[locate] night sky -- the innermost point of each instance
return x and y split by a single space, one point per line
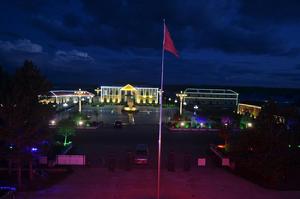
114 42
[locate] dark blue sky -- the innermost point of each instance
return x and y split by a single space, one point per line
230 42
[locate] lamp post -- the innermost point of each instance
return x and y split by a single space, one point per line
79 93
181 97
97 90
195 109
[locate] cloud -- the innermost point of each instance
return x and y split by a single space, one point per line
291 76
23 45
275 11
71 56
297 67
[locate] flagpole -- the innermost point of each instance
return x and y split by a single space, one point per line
160 114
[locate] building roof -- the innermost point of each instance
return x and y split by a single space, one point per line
128 87
69 93
210 91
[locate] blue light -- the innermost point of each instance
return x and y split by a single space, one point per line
201 120
8 188
34 149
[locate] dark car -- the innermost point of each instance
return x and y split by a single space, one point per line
118 124
141 154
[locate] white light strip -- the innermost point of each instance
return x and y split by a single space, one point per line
211 98
250 105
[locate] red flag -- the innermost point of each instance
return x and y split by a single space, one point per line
168 42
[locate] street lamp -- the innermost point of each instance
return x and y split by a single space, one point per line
181 97
79 93
97 90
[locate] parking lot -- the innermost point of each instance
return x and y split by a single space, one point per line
98 145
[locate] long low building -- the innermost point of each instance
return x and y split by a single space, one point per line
211 98
66 96
139 95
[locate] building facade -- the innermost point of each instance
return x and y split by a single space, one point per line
121 95
66 97
211 98
252 110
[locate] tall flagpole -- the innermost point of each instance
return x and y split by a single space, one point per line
160 113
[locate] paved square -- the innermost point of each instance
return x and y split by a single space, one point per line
200 183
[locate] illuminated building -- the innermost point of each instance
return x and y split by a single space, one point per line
66 97
211 98
252 110
121 95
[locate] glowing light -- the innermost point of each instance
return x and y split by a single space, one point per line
182 123
34 149
80 123
184 103
169 99
8 188
175 101
65 105
221 146
11 147
196 107
249 125
129 109
226 124
53 122
201 124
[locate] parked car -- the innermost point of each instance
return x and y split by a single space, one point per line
118 124
141 154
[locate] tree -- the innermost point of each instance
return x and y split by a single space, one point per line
263 150
66 128
25 120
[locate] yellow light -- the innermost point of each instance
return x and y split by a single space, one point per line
182 123
130 109
80 123
249 124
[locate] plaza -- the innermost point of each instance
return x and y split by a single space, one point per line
96 181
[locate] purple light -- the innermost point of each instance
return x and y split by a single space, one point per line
226 120
34 149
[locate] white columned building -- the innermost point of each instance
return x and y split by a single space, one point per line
139 95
